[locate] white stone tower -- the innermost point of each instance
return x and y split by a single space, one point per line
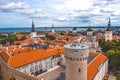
76 55
33 33
108 33
53 28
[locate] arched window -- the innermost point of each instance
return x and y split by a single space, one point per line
58 63
31 69
79 70
36 67
40 65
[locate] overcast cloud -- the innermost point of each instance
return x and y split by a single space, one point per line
60 12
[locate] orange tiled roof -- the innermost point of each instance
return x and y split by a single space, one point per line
22 56
30 55
93 65
5 56
27 40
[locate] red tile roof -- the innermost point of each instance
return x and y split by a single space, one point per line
5 56
93 65
27 55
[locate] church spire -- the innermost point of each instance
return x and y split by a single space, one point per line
52 26
89 28
109 25
33 27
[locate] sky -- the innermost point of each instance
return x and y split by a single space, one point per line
61 13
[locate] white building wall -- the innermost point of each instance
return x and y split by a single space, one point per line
101 71
108 35
33 34
55 61
27 68
43 64
89 33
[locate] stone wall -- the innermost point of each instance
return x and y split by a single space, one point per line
10 73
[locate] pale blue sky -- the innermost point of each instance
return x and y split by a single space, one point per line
19 13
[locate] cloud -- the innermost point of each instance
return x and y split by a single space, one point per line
64 12
21 7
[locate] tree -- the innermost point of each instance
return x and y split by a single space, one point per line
2 42
23 38
50 37
112 51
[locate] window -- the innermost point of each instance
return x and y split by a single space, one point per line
31 69
76 50
79 70
81 54
36 67
12 79
40 65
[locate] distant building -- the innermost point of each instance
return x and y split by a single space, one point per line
33 33
74 30
108 32
53 28
89 31
90 38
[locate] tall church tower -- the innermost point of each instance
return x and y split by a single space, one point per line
108 33
53 28
33 33
76 55
89 31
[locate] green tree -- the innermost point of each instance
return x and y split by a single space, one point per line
112 51
23 38
50 37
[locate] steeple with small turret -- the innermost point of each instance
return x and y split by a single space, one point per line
33 33
53 28
33 27
89 31
108 33
109 25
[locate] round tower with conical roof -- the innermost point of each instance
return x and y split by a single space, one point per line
76 55
108 33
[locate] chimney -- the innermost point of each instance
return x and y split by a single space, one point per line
6 49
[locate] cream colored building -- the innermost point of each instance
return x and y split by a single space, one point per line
90 39
76 56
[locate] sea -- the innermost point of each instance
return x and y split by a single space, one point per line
28 29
